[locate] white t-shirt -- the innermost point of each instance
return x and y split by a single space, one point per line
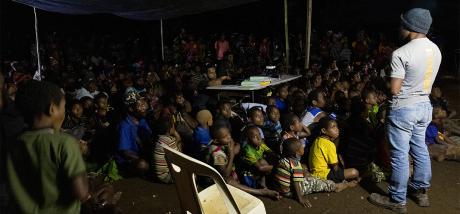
417 63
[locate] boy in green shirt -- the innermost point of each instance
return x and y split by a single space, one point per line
45 169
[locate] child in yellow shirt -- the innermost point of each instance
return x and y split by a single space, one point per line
323 158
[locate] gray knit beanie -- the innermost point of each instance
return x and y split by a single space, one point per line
417 20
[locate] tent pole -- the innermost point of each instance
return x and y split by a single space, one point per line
37 75
286 34
308 35
162 41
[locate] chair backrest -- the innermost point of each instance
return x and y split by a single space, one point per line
184 169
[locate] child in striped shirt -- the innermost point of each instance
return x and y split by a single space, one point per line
167 136
291 177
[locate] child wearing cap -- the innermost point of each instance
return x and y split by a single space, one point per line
134 134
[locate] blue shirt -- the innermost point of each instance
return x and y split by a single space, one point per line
281 105
132 135
273 127
431 134
201 136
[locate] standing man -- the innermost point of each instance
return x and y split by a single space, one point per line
414 69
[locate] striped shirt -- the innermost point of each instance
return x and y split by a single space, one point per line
288 169
161 167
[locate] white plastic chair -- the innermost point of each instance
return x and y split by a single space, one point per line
184 169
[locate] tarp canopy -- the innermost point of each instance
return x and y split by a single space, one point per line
134 9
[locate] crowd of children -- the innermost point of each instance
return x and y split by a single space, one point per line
322 133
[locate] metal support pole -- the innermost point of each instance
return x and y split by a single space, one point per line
162 41
38 73
308 35
286 34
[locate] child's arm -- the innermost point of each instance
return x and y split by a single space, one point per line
74 171
222 78
334 166
448 140
176 135
306 131
80 187
233 150
263 166
262 192
302 200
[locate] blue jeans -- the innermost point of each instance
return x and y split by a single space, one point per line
406 133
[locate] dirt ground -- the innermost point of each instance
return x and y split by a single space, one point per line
141 196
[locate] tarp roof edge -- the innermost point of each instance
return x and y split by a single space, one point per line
134 9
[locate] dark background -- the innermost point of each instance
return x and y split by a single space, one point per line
263 18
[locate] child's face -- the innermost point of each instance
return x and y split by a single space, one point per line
77 110
212 73
332 130
321 102
371 99
180 99
356 78
254 137
318 81
274 115
102 103
258 118
87 104
224 137
92 87
141 107
436 92
296 125
226 110
283 93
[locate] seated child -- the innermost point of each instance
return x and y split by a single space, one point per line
254 155
257 118
272 127
102 108
212 76
360 140
291 177
183 122
281 98
369 98
45 169
292 127
222 154
273 123
167 135
439 145
74 118
224 113
323 158
314 113
437 99
201 134
135 134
